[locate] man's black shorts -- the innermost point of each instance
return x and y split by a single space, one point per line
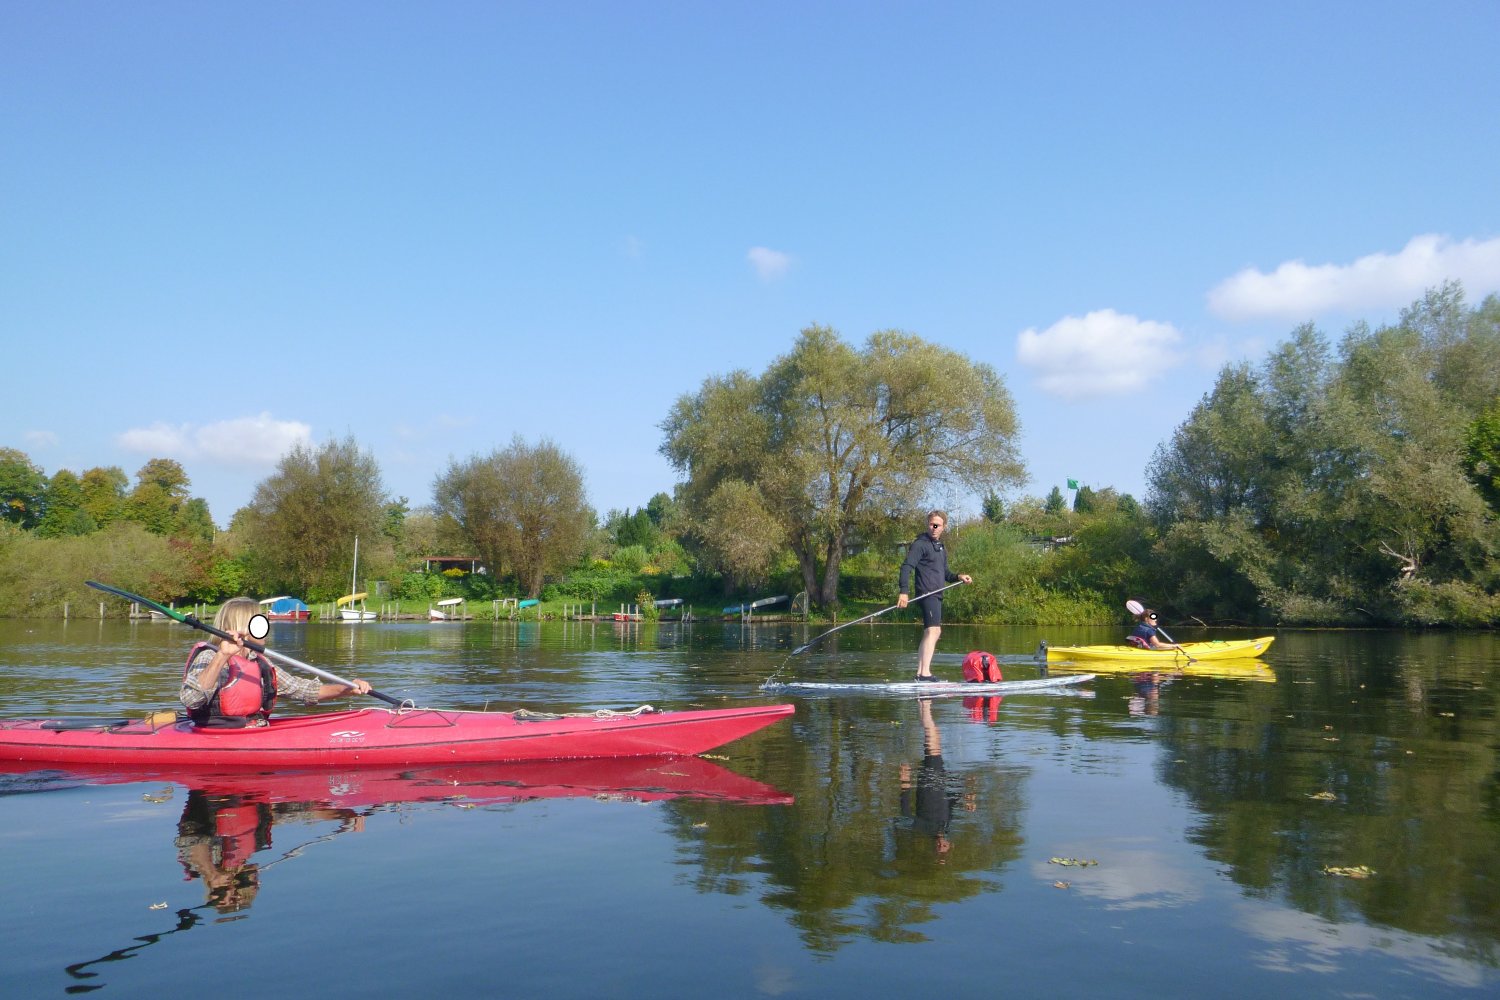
932 612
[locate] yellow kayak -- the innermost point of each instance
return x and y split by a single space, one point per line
1218 649
1234 670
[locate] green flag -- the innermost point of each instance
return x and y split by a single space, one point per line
1072 484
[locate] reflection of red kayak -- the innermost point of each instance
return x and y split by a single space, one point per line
636 779
375 736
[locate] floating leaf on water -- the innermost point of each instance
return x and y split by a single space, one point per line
1072 862
165 795
1446 715
464 805
1062 885
700 826
1323 796
1353 871
158 906
1330 739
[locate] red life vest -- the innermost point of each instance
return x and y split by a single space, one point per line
247 687
982 667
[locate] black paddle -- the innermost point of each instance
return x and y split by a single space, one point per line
193 621
805 647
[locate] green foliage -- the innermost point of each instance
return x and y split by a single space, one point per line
630 559
993 508
1323 488
303 520
830 441
646 602
522 509
37 575
22 488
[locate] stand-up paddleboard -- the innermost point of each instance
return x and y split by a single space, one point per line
944 688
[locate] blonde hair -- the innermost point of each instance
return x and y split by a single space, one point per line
235 614
938 513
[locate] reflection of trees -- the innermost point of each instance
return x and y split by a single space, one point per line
845 863
1410 761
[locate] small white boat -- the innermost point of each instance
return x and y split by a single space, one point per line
437 615
347 611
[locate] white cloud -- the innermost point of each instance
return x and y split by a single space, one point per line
258 440
1104 352
769 264
39 439
1299 291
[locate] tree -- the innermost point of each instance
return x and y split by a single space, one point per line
523 509
302 520
65 513
161 488
22 487
839 442
104 493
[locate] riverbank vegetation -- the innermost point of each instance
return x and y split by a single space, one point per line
1337 482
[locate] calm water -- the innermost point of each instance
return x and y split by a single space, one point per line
839 854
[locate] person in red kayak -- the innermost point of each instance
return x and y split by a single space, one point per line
929 560
230 684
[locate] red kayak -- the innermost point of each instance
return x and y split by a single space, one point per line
626 779
383 736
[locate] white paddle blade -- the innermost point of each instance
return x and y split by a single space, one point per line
1134 607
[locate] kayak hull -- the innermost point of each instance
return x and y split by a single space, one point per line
382 736
930 688
1225 649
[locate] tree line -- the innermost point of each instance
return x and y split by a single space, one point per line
1335 482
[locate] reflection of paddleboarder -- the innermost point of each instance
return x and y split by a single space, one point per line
928 801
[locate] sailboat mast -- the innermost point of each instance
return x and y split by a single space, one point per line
354 575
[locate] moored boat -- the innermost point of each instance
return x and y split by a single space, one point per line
285 609
1218 649
383 736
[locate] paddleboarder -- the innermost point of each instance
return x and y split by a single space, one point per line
232 683
927 558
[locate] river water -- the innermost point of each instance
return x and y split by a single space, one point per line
1176 834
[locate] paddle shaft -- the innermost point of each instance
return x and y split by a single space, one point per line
194 622
1163 633
875 614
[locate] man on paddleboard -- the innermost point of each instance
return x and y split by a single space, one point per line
929 560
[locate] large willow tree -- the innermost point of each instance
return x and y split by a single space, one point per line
304 517
522 508
833 442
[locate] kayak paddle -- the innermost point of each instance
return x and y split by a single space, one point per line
193 621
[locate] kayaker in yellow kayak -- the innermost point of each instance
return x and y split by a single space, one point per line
1147 635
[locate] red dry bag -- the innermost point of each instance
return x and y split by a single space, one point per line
981 667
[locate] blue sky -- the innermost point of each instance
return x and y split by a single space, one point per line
228 228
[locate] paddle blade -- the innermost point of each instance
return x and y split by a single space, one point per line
169 612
